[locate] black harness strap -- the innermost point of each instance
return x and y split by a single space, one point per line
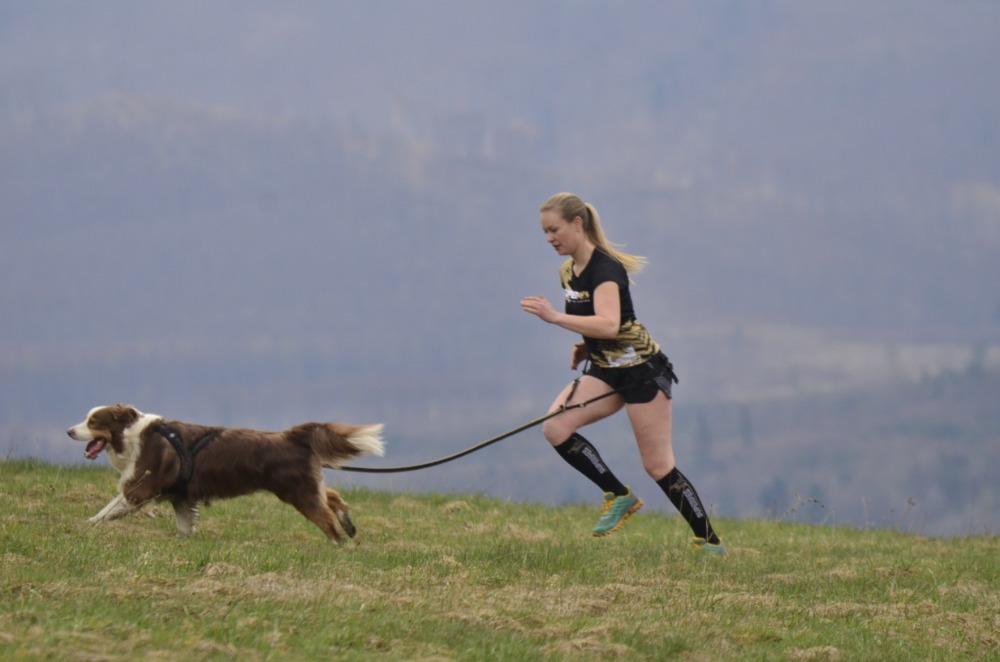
185 456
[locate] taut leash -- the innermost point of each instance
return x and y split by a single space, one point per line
522 428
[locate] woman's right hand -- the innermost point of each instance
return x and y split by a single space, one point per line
580 354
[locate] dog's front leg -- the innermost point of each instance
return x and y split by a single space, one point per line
187 516
117 507
121 505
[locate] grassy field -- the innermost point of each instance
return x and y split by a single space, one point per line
442 577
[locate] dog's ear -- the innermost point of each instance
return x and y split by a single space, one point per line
124 414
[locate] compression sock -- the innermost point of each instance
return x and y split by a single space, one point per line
681 493
583 457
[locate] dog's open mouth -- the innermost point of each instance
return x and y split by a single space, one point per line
94 448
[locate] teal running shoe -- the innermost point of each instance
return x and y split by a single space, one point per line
614 511
702 546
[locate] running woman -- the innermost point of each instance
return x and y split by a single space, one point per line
622 357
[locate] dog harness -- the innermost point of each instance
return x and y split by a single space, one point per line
184 455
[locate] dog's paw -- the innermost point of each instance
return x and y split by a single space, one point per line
345 521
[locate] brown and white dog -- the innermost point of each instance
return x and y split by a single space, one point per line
187 464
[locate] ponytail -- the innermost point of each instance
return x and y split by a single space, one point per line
571 206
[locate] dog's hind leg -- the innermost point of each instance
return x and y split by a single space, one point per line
341 510
187 516
312 503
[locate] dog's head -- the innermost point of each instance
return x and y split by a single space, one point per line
105 426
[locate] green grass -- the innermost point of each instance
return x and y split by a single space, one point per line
469 578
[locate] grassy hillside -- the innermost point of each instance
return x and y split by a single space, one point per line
464 577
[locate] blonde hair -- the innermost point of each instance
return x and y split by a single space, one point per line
571 206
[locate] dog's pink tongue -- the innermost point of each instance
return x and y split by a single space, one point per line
94 449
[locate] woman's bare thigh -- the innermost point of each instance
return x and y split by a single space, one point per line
559 428
651 423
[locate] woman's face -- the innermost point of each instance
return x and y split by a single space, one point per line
562 235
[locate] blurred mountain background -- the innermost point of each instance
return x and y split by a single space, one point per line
256 214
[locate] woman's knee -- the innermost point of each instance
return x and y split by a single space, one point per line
556 432
658 461
658 469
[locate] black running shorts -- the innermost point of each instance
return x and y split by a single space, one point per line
639 383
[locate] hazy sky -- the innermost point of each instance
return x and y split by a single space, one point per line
215 192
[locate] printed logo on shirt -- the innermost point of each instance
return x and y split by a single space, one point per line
623 358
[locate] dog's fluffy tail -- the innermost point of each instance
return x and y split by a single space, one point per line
335 442
367 439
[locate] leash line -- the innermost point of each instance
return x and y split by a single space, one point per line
488 442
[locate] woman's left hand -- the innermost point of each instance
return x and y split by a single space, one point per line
540 307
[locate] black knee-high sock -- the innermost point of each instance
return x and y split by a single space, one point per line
681 493
583 457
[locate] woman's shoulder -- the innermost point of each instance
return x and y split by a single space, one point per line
601 257
606 265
